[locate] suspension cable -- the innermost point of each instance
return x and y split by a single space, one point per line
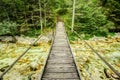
1 76
9 68
113 69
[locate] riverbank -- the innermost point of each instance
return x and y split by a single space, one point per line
90 65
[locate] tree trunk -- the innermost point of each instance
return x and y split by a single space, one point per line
73 16
40 16
44 14
45 18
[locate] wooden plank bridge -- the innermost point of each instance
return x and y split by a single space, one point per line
60 64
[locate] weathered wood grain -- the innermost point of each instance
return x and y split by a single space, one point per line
61 69
61 75
60 64
58 79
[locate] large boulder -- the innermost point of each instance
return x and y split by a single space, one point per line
6 39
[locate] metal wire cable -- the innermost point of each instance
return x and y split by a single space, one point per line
112 68
1 76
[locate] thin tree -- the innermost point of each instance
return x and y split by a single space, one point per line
73 16
45 2
40 16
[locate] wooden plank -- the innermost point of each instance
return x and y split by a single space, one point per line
59 55
57 79
51 65
60 65
61 69
60 61
63 50
62 43
62 39
57 52
62 53
61 75
59 48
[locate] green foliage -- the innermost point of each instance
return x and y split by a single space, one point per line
113 11
26 13
93 17
62 11
71 36
33 33
92 21
7 27
87 36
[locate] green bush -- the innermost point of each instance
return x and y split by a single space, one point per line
7 27
87 36
71 36
92 21
62 11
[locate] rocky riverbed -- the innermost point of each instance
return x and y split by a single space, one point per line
90 65
29 66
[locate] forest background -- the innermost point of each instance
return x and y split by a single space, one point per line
32 17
